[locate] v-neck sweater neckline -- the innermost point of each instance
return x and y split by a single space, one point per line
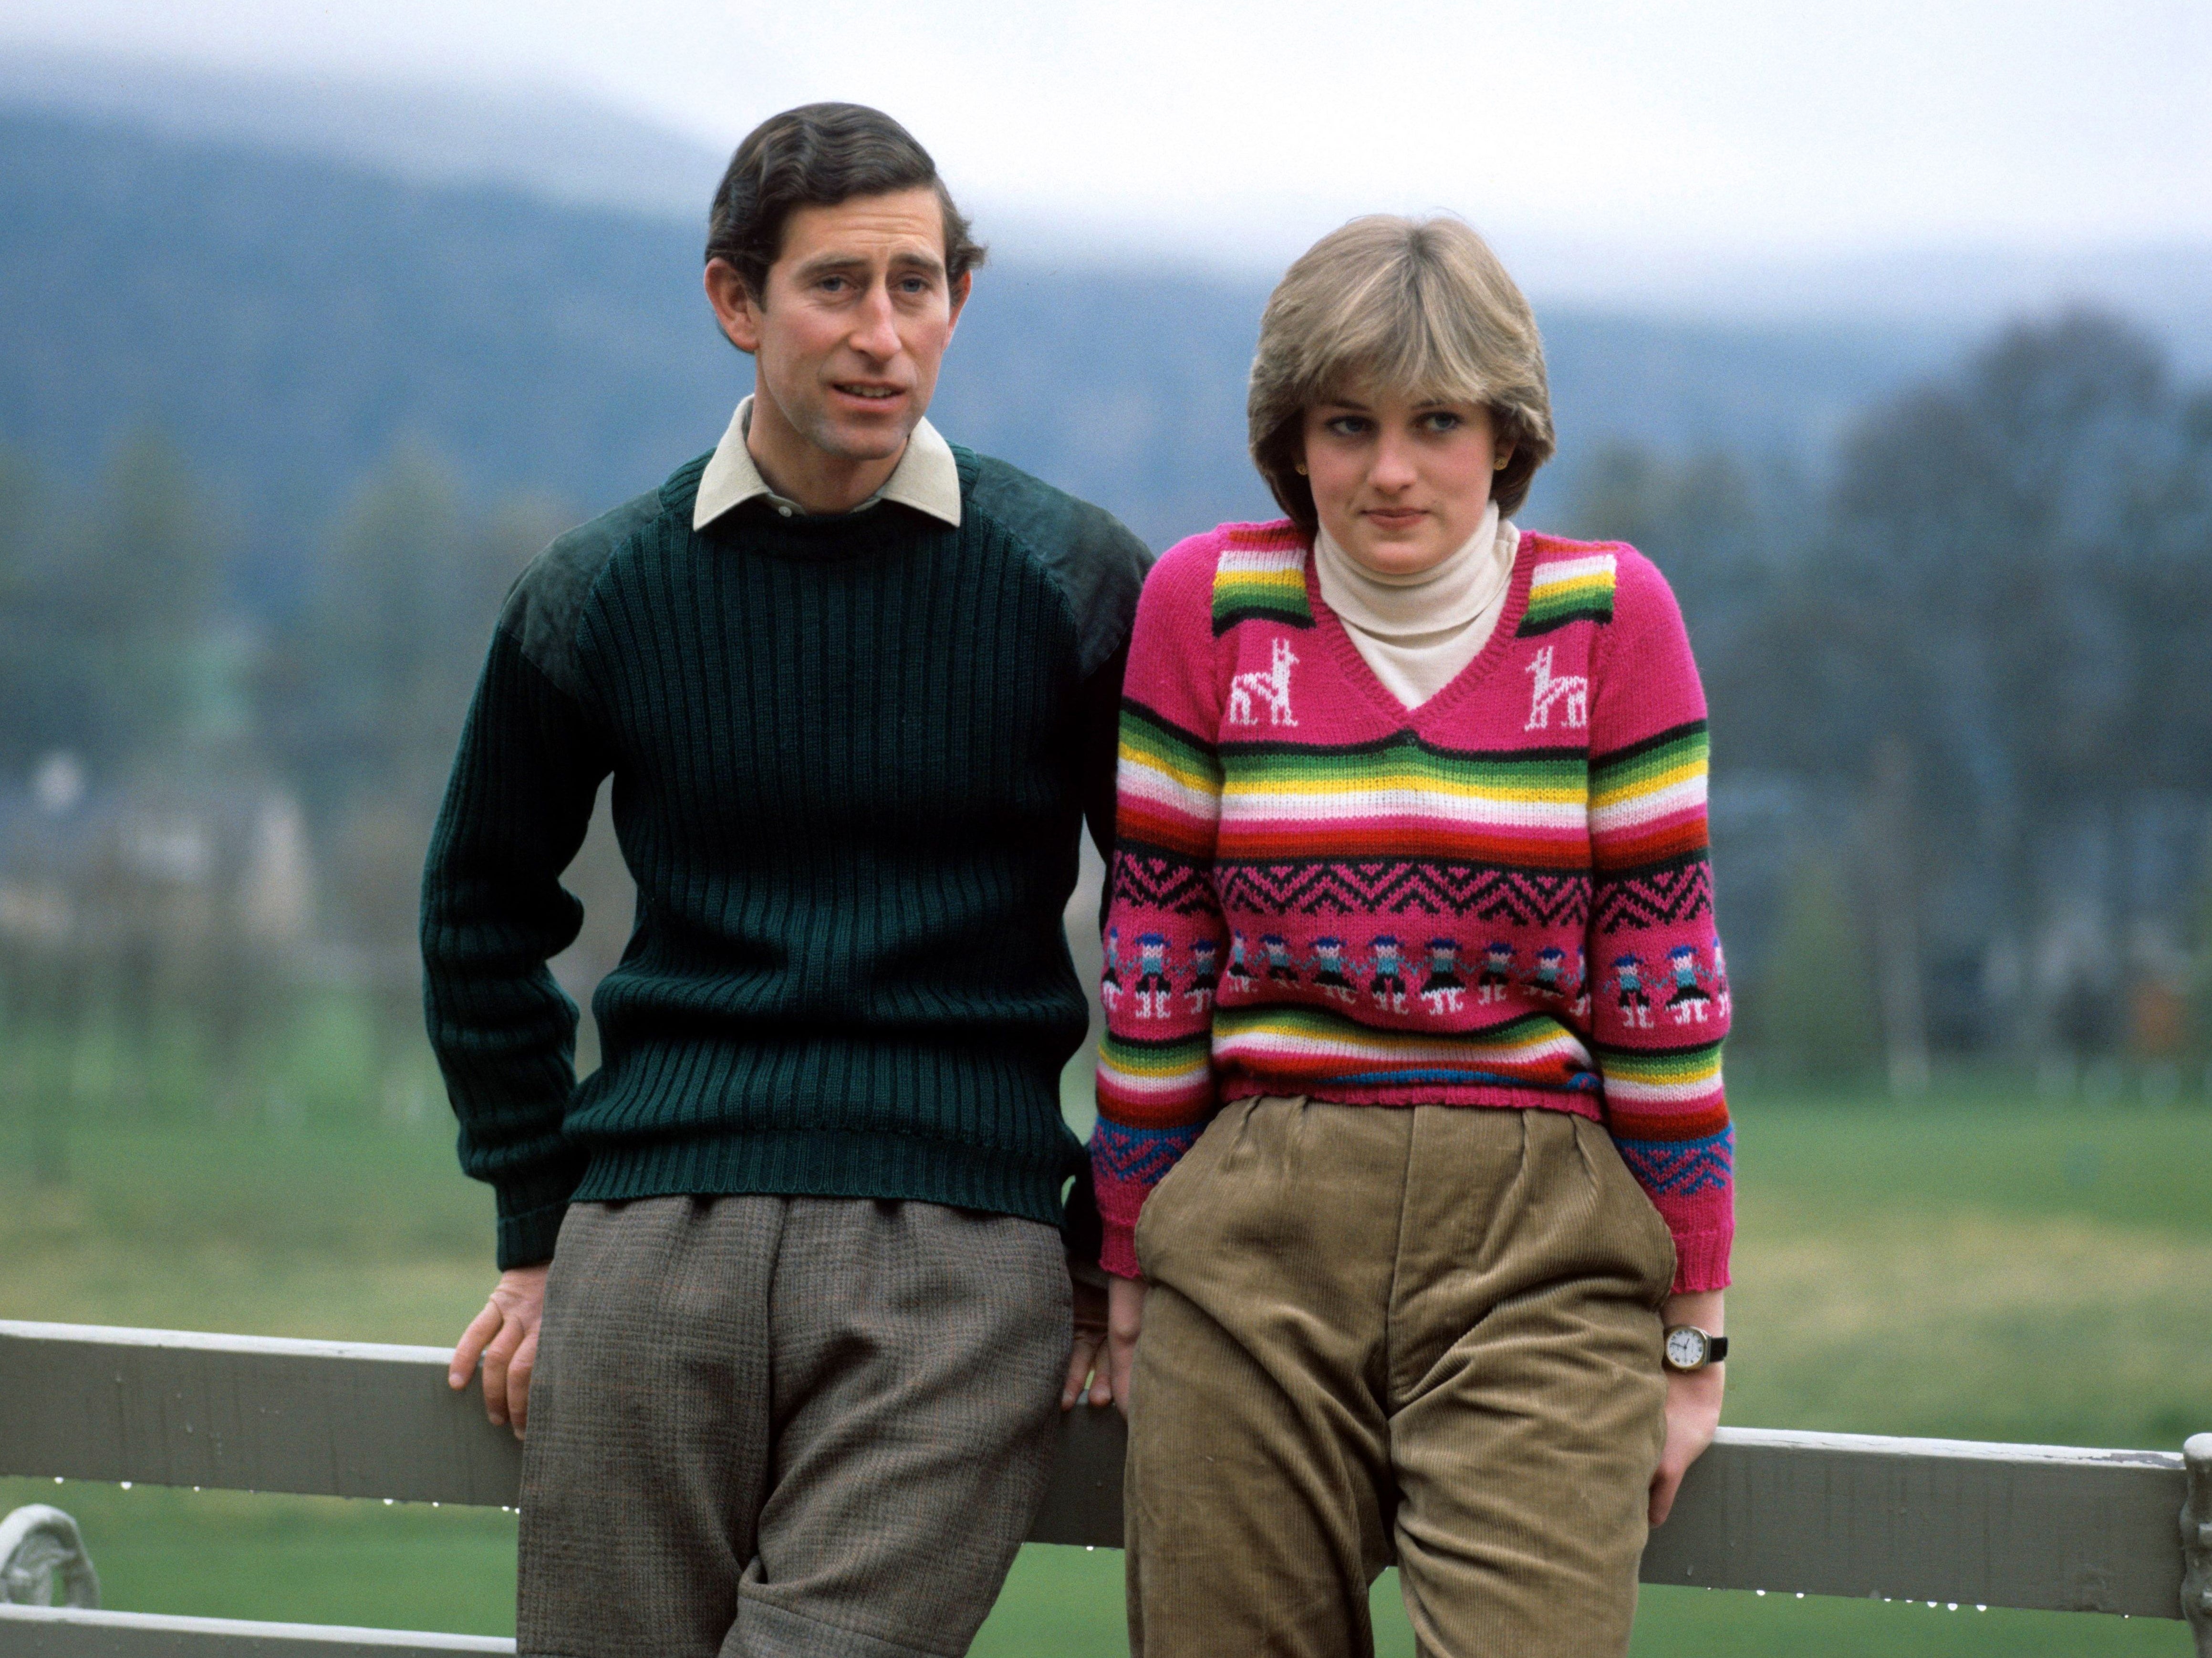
1360 673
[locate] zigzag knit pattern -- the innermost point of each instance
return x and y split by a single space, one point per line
1500 898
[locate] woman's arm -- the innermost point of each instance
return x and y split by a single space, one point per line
1693 1401
1165 942
1658 988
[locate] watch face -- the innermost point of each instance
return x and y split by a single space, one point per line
1685 1347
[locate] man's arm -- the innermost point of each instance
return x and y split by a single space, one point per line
494 914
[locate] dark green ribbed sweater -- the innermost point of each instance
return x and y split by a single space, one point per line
851 756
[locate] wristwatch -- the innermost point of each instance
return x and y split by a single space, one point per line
1689 1348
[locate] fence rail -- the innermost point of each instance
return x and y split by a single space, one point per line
2049 1527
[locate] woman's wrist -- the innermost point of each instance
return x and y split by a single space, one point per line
1705 1308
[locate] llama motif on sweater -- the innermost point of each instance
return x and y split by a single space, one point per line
1499 898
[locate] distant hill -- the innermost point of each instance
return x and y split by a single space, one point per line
290 318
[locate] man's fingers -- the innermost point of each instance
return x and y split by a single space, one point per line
470 1348
497 1357
519 1372
1081 1362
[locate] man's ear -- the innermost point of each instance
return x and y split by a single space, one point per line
735 308
959 292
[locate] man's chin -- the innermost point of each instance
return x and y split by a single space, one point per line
861 439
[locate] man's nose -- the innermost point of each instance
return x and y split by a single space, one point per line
875 329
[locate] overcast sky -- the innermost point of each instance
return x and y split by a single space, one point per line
1730 127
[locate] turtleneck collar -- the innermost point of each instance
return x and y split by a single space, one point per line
1416 632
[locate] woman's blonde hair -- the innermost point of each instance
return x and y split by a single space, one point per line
1421 306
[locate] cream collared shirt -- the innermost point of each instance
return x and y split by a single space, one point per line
926 478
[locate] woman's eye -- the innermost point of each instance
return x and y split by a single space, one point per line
1348 426
1442 420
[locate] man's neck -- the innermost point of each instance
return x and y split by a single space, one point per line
799 470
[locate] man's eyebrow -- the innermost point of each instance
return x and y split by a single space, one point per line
825 264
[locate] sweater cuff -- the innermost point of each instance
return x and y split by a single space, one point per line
526 1236
1701 1259
1117 1249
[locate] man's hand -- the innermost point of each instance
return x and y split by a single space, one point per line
1694 1403
1084 1370
505 1337
1106 1329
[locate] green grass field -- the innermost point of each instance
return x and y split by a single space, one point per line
1981 1266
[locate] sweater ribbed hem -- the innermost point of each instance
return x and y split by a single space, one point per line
827 1164
526 1239
1117 1250
1701 1259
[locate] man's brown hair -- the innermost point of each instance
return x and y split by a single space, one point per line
818 155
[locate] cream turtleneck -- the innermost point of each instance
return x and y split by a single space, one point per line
1418 631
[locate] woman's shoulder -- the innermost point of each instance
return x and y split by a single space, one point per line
1190 572
1609 580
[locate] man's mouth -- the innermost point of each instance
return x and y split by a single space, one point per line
871 393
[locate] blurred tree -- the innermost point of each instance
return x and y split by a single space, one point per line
363 697
131 601
2011 587
1813 1010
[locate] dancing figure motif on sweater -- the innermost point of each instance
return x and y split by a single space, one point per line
1687 1004
1328 971
1155 990
1203 977
1571 690
1273 688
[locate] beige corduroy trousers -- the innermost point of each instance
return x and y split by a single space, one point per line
1430 1335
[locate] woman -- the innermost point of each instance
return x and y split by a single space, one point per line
1415 1195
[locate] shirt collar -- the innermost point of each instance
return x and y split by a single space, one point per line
927 477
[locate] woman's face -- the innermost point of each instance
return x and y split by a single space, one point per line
1399 484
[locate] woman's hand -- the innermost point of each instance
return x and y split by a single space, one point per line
1103 1354
1694 1403
505 1337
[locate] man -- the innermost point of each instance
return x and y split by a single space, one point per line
806 1306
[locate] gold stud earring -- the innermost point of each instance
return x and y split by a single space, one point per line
1299 467
1502 463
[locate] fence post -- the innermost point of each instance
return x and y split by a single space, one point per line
2196 1542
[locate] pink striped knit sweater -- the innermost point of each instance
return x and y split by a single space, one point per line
1499 898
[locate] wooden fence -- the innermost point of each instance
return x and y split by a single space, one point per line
1953 1520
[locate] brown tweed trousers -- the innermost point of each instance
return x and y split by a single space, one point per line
763 1426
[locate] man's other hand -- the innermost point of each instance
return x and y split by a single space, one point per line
505 1337
1106 1328
1084 1368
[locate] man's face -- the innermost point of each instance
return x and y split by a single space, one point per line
848 339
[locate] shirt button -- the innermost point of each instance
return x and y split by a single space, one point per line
785 510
